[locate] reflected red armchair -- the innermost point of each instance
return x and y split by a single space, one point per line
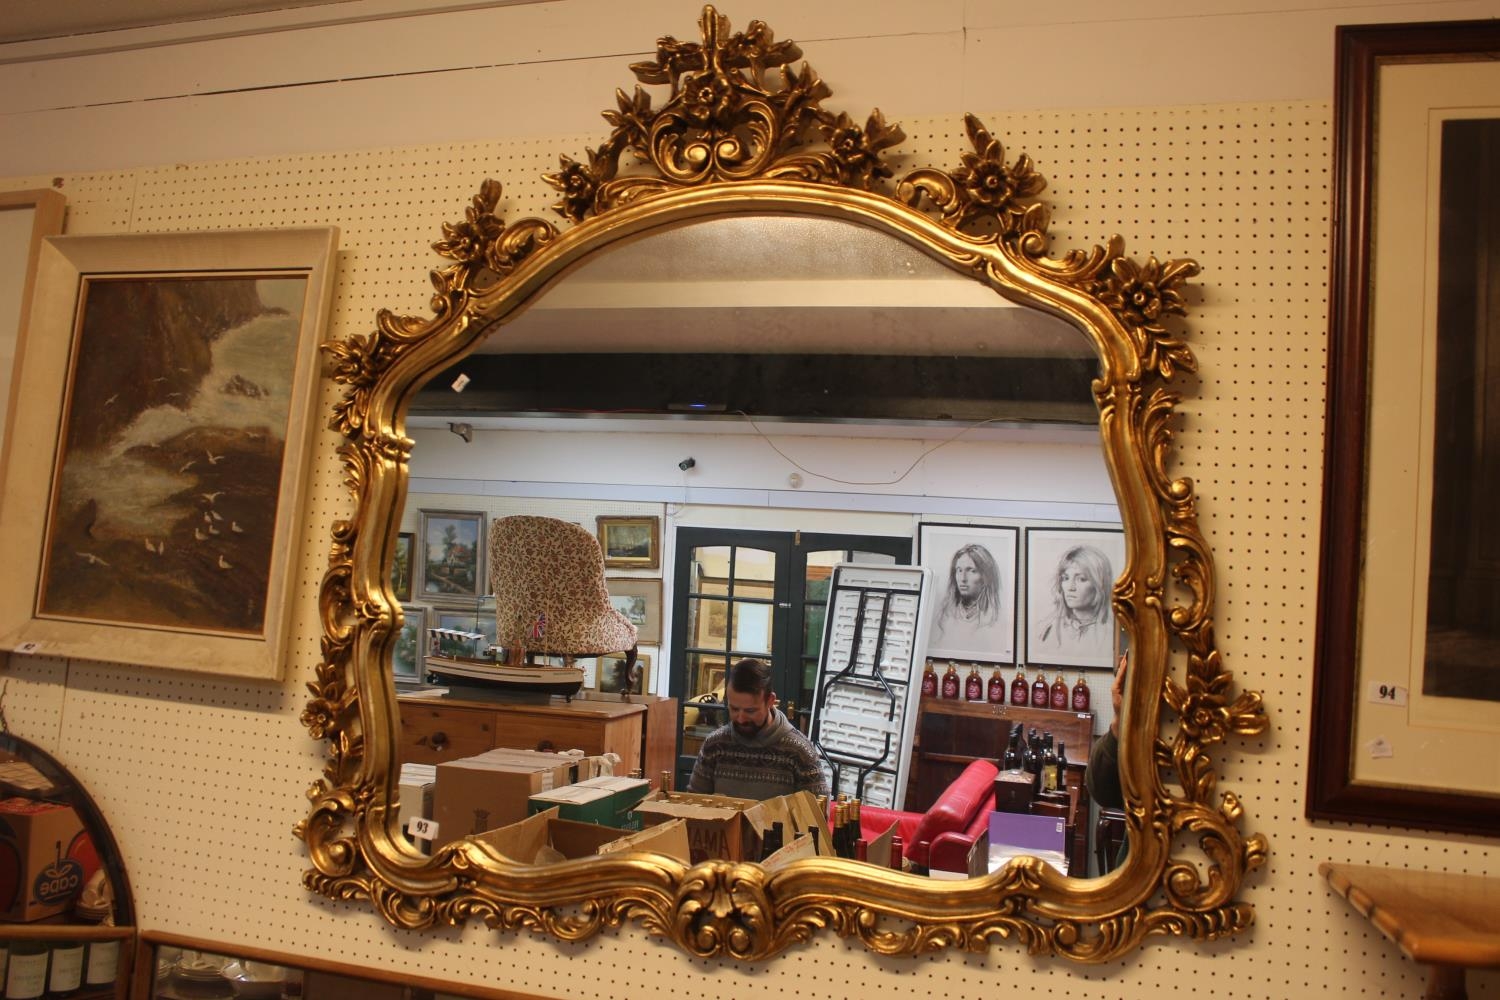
961 813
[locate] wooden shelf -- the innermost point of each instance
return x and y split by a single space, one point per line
43 931
1447 921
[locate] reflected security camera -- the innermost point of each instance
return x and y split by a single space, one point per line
687 463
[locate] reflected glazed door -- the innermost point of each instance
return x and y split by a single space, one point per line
760 594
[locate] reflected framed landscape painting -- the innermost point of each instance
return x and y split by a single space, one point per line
160 444
450 547
1406 686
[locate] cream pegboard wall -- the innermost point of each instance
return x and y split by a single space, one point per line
203 778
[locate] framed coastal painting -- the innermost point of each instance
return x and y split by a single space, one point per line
630 542
972 595
1070 580
451 549
639 600
158 461
1406 694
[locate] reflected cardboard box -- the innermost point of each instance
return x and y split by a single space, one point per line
45 858
415 790
493 789
543 838
722 828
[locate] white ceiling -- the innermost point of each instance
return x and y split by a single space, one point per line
27 19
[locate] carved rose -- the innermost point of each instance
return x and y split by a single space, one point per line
706 99
319 719
1201 707
467 241
856 151
578 186
1142 295
992 188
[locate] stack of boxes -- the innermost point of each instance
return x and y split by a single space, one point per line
529 805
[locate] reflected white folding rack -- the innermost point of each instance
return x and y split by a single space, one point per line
863 713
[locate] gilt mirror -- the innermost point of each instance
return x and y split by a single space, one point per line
743 133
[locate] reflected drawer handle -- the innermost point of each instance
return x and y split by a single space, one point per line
438 740
545 746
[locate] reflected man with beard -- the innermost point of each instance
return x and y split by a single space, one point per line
758 753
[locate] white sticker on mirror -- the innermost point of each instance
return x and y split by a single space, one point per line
28 648
1383 693
1380 747
421 828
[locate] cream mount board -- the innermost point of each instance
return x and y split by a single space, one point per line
202 780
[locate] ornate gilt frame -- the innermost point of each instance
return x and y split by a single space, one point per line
727 141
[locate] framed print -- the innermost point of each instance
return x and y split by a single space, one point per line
26 218
1406 699
451 553
401 565
640 601
630 542
972 581
157 467
411 644
1070 580
610 668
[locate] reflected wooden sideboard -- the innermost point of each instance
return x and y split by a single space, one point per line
455 725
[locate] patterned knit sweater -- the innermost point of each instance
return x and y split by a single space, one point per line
778 760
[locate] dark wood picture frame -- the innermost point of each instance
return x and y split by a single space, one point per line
1333 794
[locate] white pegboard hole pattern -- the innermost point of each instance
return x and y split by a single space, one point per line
1243 189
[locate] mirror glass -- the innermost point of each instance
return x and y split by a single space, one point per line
821 379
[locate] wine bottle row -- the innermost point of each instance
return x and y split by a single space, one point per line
1038 694
1035 755
848 840
46 969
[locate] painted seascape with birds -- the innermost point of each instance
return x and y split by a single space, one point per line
165 487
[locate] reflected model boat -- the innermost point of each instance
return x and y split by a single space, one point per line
537 678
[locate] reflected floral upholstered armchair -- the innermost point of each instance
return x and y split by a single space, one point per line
550 597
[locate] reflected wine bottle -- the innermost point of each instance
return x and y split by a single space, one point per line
950 683
1060 693
1040 695
995 693
929 682
1081 695
1062 767
973 684
1049 768
1018 688
1012 759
